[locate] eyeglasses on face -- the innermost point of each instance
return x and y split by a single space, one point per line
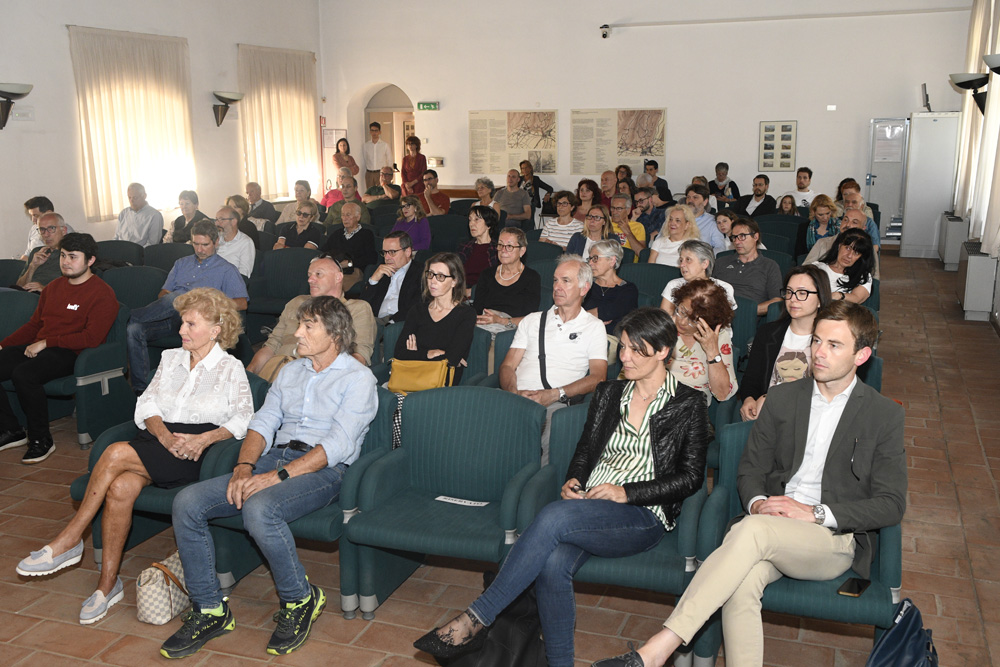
619 208
684 315
800 294
593 259
303 214
48 230
595 217
390 253
506 247
562 202
440 277
642 200
738 237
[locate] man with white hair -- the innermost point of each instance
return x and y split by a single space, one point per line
139 222
575 355
260 208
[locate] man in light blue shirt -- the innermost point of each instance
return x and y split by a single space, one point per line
139 222
697 197
204 268
297 449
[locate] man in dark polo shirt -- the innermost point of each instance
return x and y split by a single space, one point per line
42 265
752 275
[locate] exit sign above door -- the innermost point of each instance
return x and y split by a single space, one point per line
428 106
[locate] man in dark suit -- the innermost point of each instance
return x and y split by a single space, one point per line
260 208
823 469
759 203
396 285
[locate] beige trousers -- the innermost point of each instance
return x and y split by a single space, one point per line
756 552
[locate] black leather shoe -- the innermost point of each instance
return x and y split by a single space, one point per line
14 438
630 659
432 644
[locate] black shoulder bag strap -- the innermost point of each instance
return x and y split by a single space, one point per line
541 350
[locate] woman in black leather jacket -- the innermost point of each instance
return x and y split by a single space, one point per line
642 452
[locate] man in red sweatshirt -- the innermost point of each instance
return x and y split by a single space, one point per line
75 312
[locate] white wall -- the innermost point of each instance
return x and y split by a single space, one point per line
44 156
716 80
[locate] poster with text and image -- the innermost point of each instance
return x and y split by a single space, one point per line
499 140
604 138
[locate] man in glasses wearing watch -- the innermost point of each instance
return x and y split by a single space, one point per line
752 275
291 463
396 284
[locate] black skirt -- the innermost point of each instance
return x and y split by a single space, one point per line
166 470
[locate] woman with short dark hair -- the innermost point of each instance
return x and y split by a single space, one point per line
187 201
641 453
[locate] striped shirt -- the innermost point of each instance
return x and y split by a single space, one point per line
628 456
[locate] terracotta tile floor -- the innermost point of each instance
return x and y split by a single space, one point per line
942 368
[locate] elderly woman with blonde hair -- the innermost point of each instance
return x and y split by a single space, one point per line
199 395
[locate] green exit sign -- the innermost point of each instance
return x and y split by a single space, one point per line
428 106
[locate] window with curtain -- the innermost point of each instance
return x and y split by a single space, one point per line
279 114
134 99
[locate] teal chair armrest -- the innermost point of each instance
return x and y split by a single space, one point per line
350 486
381 373
221 458
256 287
384 479
728 412
540 490
492 381
473 379
104 357
687 526
890 554
121 433
512 497
712 522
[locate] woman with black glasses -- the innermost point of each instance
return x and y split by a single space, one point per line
506 294
440 326
781 350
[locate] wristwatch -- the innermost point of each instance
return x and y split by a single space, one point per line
716 359
819 513
282 473
563 398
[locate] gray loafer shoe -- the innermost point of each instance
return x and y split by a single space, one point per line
43 562
96 606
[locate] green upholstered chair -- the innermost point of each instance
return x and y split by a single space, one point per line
163 255
236 554
477 361
462 207
744 323
10 271
812 599
532 235
282 278
778 242
651 279
474 444
152 510
501 345
120 251
874 300
136 286
17 308
539 252
97 390
667 568
448 232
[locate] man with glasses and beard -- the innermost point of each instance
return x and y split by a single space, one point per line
752 275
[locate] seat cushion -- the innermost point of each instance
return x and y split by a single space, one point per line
659 569
819 599
414 521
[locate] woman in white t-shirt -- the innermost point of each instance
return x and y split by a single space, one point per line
697 261
679 227
781 350
848 265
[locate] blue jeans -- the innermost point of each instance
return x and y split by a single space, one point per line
156 320
266 516
557 544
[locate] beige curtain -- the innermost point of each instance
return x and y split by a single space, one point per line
986 205
972 121
133 93
279 112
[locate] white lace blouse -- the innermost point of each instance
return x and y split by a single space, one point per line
215 392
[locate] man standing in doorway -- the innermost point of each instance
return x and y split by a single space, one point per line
377 155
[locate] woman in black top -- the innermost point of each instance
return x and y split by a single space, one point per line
188 203
440 326
610 298
304 232
534 185
506 294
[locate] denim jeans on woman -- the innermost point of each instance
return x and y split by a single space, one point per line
266 516
557 544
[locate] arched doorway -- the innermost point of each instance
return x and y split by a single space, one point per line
393 110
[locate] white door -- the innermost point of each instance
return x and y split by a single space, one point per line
887 173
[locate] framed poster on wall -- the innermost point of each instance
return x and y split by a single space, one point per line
776 149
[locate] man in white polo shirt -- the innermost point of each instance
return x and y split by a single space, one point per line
576 347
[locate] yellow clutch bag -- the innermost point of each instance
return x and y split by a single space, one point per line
410 375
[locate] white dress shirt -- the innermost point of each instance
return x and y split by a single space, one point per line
144 226
390 304
239 252
216 392
377 155
806 485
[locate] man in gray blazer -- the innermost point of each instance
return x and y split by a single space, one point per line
823 469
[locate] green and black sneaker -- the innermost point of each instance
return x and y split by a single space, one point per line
199 627
295 620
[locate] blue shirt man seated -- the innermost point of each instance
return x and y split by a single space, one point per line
203 269
297 449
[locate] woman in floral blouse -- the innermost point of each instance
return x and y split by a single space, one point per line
703 358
